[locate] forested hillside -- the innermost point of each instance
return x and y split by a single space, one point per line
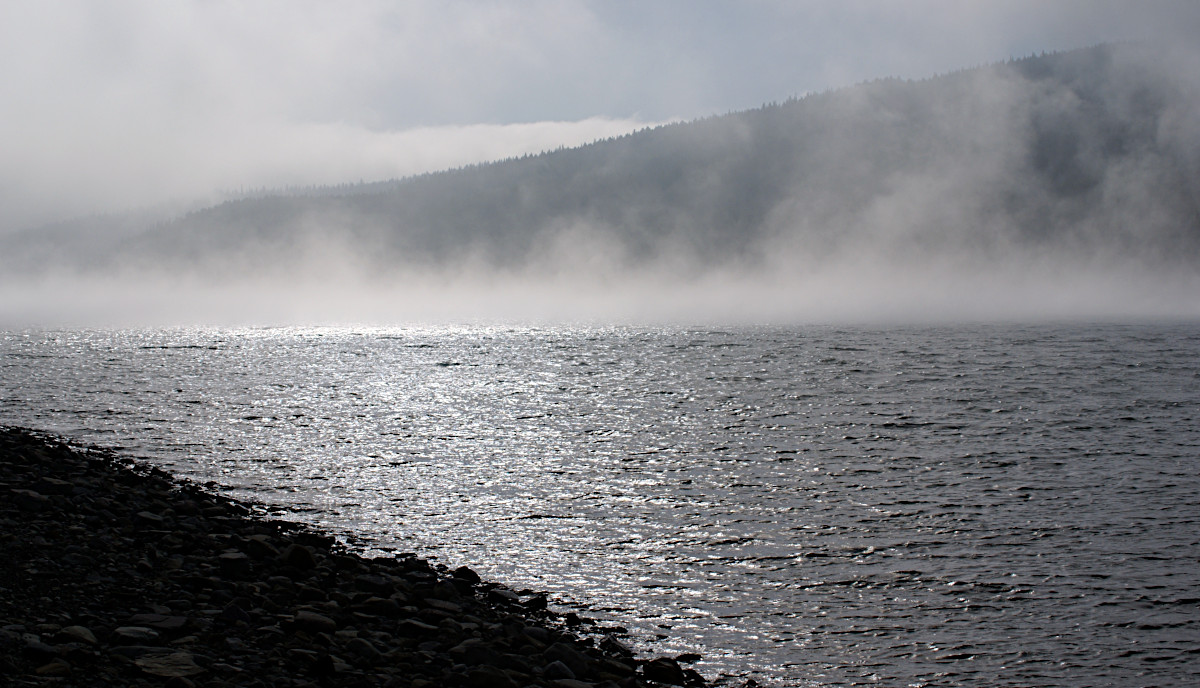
1092 151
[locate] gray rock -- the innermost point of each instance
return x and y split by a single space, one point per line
379 585
234 563
169 664
618 666
487 677
415 628
260 547
574 659
664 670
571 683
54 486
503 595
614 646
536 603
556 670
363 648
466 574
234 612
443 605
159 622
299 556
135 651
538 633
380 607
77 634
314 622
56 667
136 633
473 651
34 644
30 500
149 519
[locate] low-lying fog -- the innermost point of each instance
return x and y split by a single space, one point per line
1064 186
862 290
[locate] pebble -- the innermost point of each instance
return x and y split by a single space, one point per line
312 621
56 667
79 634
556 670
169 665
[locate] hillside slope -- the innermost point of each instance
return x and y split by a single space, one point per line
1091 152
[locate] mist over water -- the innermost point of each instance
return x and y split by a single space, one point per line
1059 187
859 292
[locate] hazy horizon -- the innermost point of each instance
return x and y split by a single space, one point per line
246 102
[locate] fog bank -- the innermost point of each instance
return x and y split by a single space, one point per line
868 291
1061 186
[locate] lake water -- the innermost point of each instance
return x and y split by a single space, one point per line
943 506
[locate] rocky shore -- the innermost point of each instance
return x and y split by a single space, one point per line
113 573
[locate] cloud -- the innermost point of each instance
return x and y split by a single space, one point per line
84 174
140 103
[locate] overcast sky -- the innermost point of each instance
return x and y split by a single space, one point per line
110 105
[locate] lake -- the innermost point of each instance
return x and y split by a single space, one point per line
984 505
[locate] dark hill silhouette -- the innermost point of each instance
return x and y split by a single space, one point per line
1094 150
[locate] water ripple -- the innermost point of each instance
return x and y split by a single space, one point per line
982 506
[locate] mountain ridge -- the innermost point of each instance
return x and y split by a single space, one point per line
1080 152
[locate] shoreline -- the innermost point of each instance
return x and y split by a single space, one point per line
115 573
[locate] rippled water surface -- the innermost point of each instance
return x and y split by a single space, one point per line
990 505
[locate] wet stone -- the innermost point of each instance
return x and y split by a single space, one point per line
536 603
363 648
30 500
57 667
664 670
487 676
571 657
135 633
234 563
148 518
77 634
260 547
135 651
373 583
503 595
444 606
414 627
54 486
380 607
36 646
466 574
474 651
571 683
159 622
169 665
312 621
299 556
234 612
556 670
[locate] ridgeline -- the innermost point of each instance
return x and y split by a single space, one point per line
1087 151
